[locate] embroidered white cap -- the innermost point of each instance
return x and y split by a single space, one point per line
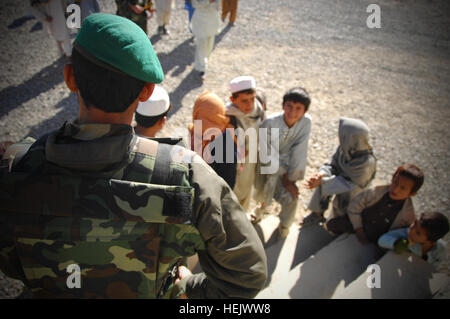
157 104
242 83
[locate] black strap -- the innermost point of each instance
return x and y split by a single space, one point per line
161 170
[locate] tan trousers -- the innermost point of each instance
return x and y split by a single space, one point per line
244 183
229 6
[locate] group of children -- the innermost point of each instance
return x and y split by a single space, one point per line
382 214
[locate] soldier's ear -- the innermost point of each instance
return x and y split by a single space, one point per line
146 92
69 78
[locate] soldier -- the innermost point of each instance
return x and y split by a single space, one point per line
135 11
116 212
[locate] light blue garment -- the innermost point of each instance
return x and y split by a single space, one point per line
436 255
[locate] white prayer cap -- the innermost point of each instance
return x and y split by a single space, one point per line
242 83
157 104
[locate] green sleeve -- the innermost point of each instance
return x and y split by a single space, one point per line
234 261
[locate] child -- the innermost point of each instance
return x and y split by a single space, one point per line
205 26
245 112
151 115
422 238
294 130
375 211
351 169
229 6
51 14
163 10
210 110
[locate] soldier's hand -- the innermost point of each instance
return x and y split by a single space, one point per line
182 273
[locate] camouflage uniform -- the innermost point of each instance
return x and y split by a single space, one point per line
123 10
86 195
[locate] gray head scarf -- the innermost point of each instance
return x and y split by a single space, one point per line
354 158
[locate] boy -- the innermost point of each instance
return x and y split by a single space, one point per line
350 170
151 115
422 238
294 130
377 210
245 112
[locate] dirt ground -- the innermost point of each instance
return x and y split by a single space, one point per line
395 78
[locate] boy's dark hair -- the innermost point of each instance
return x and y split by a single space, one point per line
104 89
413 173
436 225
149 121
296 95
248 91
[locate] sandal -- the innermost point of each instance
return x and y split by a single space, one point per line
312 219
257 215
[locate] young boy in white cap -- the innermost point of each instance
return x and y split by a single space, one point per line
151 115
245 112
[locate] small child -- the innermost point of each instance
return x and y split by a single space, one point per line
151 115
245 112
294 126
422 238
375 211
350 170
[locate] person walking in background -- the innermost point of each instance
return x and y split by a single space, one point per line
87 7
188 6
163 10
229 6
205 26
51 14
135 10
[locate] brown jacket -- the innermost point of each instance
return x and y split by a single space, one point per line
369 197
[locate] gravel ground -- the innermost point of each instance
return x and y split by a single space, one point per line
396 78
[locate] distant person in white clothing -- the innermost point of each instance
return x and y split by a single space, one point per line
205 26
51 14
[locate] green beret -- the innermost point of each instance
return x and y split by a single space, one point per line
119 44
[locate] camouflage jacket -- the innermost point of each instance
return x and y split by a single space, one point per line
85 195
123 9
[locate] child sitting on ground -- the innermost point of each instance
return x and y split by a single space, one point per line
422 238
245 112
377 210
350 170
294 127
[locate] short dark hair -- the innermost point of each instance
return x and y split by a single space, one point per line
435 224
104 89
413 173
149 121
298 94
247 91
